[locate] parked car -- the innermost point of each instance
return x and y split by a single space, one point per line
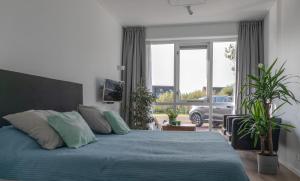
221 105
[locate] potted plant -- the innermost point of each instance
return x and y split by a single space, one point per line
269 87
172 114
142 100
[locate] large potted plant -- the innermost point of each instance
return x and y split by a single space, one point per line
142 100
269 87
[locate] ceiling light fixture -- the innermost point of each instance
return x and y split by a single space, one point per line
189 9
187 4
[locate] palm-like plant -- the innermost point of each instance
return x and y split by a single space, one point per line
271 85
256 124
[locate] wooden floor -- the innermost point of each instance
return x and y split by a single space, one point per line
249 160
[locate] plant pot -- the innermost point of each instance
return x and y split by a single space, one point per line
172 122
267 164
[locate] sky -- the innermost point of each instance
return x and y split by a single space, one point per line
193 71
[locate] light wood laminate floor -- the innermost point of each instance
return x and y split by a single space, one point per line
250 164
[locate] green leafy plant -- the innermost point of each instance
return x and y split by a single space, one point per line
172 114
270 86
142 100
256 124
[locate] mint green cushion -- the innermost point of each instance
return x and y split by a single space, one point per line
117 124
72 128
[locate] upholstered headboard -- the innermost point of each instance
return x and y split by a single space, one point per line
21 92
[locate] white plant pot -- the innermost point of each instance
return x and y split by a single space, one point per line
267 164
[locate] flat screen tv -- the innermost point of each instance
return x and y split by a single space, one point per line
112 91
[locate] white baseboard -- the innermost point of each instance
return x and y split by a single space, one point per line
290 167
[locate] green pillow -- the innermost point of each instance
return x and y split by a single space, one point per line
72 128
117 124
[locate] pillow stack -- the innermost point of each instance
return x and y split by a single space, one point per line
104 123
52 129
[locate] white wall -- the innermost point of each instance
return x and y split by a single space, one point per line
283 40
271 35
72 40
175 32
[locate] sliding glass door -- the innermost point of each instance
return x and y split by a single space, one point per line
223 82
182 79
192 83
163 83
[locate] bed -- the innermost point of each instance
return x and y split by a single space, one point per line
139 155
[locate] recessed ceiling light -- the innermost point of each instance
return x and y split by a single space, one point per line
186 2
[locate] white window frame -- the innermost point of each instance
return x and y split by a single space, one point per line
177 45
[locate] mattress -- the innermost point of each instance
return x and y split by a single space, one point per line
139 155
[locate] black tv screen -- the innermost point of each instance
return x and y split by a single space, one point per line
112 91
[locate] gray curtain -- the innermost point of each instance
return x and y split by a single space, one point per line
250 52
134 60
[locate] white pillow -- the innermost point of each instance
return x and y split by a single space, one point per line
35 124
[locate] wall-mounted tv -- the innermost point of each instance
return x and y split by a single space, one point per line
112 91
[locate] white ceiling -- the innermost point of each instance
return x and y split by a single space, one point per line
160 12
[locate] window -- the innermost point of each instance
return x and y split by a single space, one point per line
197 79
162 59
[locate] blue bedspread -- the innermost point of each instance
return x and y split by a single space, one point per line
139 155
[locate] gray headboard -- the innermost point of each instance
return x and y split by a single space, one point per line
21 92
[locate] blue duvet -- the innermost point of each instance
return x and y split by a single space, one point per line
139 155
